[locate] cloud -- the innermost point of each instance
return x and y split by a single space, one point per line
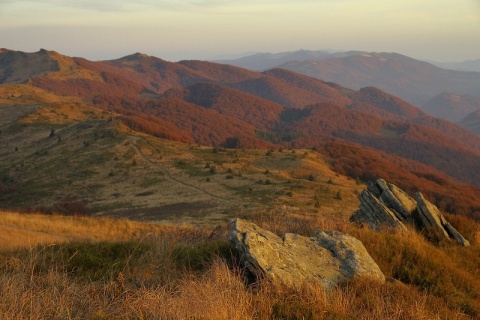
134 5
119 5
88 5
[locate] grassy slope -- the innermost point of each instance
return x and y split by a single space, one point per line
115 171
123 269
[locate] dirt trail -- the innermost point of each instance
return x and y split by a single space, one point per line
169 177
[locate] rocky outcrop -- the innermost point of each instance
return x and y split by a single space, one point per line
375 213
433 221
385 206
326 258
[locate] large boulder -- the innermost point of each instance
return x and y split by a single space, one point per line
326 258
385 206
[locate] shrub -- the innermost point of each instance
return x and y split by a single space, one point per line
338 195
66 208
200 256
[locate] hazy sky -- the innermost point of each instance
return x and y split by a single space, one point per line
442 30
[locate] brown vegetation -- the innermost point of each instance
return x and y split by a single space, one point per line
167 272
369 164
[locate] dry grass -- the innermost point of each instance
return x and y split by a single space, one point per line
123 269
120 173
19 230
21 94
66 112
117 172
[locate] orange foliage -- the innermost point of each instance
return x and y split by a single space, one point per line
369 164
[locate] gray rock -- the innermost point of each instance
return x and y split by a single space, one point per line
403 198
385 206
354 258
429 217
327 258
432 221
401 204
456 235
375 213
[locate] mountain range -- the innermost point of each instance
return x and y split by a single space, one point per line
366 132
265 61
260 61
469 65
415 81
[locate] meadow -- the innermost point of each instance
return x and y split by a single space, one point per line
58 267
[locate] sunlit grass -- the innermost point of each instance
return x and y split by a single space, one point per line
100 268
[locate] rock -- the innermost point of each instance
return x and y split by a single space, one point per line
354 258
326 258
429 218
456 235
396 199
433 221
385 206
404 199
375 213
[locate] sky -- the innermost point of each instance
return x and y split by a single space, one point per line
436 30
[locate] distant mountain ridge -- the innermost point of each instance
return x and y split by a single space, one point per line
469 65
451 106
412 80
222 105
260 61
265 61
472 121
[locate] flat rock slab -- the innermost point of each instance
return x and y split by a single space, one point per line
327 258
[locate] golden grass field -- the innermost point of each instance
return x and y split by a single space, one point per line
97 268
29 230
